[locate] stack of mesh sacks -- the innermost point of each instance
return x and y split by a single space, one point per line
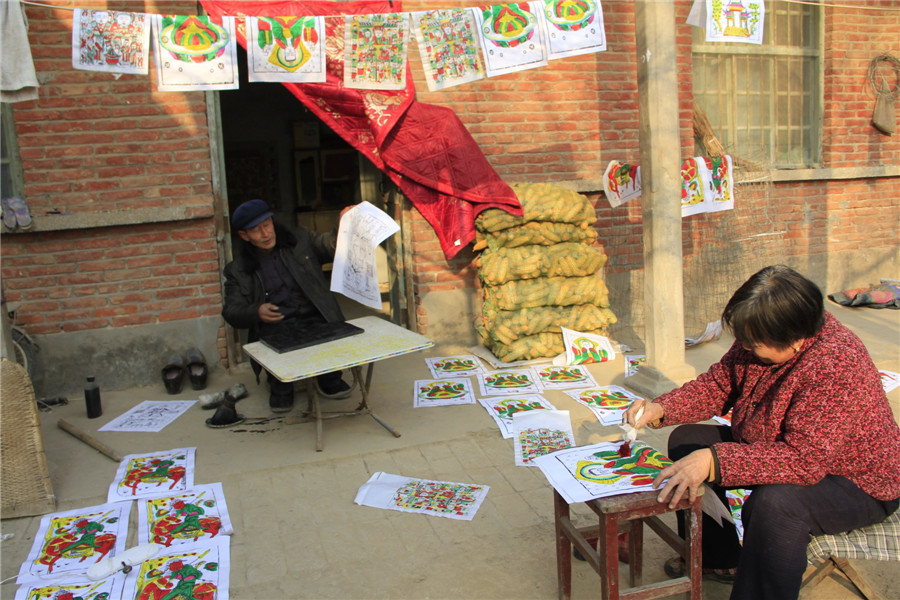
539 272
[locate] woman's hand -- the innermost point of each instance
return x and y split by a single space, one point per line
652 412
685 475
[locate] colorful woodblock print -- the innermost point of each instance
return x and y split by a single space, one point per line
501 383
196 572
573 27
588 472
502 409
197 514
540 433
563 377
154 474
442 392
586 348
633 362
453 366
375 51
286 49
735 21
448 47
607 402
736 499
621 182
195 53
510 38
73 589
68 543
111 41
408 494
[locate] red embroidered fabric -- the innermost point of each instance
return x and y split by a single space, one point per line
424 149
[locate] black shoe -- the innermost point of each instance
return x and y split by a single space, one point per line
197 369
334 390
280 403
173 374
674 567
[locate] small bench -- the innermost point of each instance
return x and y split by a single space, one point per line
829 553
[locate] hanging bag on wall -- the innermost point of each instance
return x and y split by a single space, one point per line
884 118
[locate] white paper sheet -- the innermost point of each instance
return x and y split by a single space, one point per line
584 348
540 432
202 570
509 381
573 28
290 49
68 543
565 377
436 498
199 513
502 409
511 37
153 474
442 392
607 402
454 366
355 273
712 332
633 362
587 472
149 416
889 380
210 65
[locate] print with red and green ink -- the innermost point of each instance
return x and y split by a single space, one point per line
502 409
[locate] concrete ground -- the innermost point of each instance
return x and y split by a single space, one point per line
298 533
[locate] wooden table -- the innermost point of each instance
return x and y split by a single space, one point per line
380 339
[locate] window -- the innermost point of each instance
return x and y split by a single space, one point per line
765 101
11 180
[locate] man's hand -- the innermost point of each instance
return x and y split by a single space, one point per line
687 474
268 313
652 412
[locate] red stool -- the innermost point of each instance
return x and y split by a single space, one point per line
630 512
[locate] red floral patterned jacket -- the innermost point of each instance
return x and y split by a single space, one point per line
824 412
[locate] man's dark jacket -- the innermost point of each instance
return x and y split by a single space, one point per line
303 253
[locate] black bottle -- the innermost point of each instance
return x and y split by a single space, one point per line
92 399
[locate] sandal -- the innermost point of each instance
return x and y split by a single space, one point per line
20 209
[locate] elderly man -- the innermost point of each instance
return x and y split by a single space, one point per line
277 276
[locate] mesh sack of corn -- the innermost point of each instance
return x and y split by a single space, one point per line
568 259
540 202
543 233
540 345
506 326
547 291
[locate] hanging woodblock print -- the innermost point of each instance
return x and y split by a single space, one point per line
448 47
608 402
194 515
573 27
454 366
586 348
587 472
633 362
720 179
111 41
621 182
375 51
195 53
73 589
564 377
198 571
286 49
442 392
538 433
436 498
511 37
693 187
731 21
153 475
509 381
68 543
502 409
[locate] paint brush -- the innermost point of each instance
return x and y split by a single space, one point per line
630 434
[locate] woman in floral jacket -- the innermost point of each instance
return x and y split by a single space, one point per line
812 435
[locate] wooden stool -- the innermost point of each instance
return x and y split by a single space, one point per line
630 511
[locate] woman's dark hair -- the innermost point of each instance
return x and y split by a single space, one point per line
777 306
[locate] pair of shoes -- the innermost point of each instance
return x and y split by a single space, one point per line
623 549
15 214
210 401
337 389
674 567
173 372
279 403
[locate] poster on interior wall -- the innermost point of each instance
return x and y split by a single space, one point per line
194 53
198 571
111 41
68 543
621 182
511 37
375 51
286 49
734 21
573 28
719 179
448 47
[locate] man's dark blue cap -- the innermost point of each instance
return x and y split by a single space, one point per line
250 214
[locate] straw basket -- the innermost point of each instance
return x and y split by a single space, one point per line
26 480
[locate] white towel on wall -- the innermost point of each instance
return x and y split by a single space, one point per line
18 80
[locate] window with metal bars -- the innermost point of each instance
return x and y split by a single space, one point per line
765 101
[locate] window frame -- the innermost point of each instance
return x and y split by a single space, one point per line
12 159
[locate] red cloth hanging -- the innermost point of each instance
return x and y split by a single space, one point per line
424 149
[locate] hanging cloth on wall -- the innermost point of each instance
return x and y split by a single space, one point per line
425 149
884 117
18 80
